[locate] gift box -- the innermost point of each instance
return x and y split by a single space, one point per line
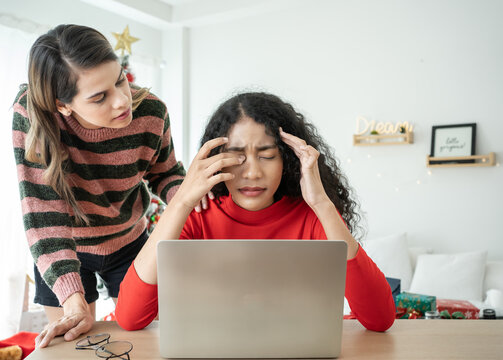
457 309
413 306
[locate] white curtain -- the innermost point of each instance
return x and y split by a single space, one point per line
14 253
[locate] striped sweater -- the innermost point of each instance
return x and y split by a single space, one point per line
111 172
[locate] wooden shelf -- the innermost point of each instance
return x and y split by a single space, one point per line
474 160
382 140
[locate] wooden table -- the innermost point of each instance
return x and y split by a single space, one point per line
407 339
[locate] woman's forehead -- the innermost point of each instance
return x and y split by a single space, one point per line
98 78
247 131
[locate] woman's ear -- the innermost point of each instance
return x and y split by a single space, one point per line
63 108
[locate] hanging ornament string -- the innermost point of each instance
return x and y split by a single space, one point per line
384 180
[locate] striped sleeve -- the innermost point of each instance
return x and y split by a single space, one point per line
165 173
46 218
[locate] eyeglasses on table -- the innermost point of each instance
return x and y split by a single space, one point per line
104 348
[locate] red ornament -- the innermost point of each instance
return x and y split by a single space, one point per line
130 77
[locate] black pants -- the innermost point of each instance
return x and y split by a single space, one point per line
111 268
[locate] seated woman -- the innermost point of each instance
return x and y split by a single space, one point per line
273 177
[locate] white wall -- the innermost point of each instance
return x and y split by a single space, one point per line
54 12
175 88
427 62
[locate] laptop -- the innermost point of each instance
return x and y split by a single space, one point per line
251 298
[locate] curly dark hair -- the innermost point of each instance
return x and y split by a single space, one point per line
271 111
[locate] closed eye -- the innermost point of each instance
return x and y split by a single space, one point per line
99 101
118 83
268 154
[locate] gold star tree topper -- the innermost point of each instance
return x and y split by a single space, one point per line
124 41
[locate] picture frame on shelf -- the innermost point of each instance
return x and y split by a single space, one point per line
453 141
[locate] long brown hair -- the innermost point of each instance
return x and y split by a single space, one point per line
55 58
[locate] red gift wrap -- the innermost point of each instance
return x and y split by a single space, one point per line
469 310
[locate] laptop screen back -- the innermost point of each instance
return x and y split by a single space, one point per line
251 298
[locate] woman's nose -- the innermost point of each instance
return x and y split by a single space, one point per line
120 100
252 169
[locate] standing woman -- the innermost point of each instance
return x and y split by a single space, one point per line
88 148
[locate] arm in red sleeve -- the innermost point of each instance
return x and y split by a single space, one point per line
137 304
368 293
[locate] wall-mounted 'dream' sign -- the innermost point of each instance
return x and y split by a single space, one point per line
364 126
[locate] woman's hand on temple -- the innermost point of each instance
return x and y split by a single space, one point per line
314 194
310 179
77 320
204 173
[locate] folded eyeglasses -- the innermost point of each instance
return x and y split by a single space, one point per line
104 348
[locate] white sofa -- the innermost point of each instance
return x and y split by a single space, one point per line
458 276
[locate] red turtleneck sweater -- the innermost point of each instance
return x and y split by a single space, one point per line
367 290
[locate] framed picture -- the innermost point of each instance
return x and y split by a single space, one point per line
453 140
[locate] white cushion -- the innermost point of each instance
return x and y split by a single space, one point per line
450 276
391 255
494 298
414 252
494 275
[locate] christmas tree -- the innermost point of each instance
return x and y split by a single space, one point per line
124 60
